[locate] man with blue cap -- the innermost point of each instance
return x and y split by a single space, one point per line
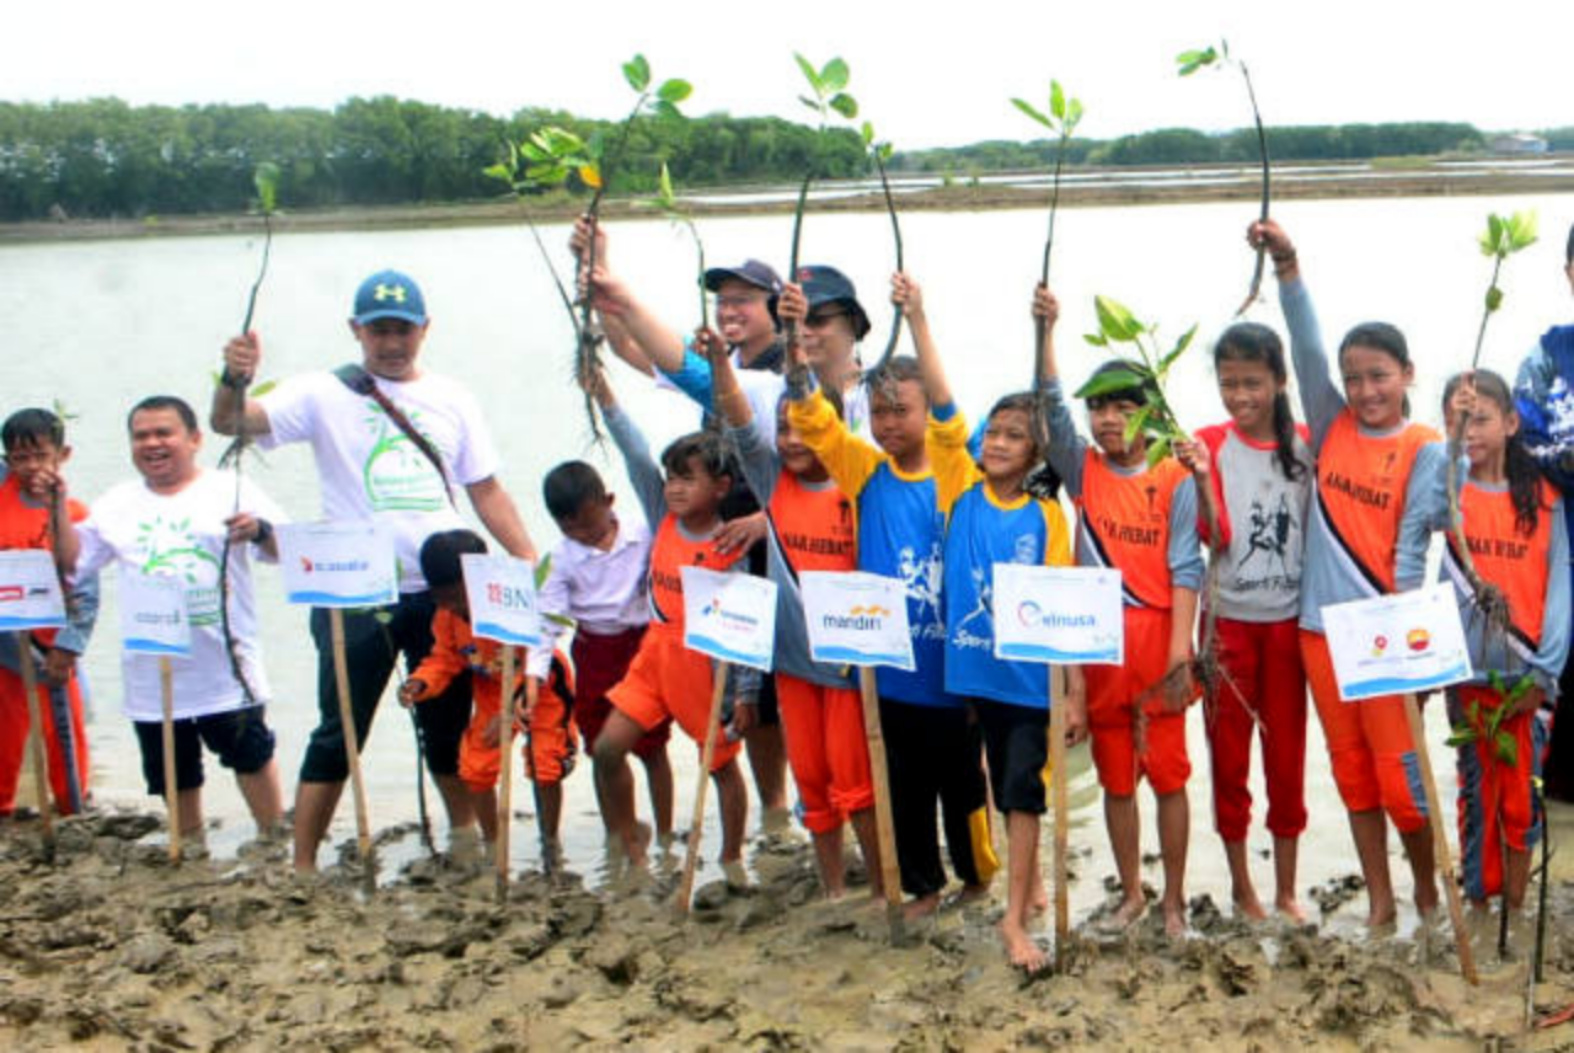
392 442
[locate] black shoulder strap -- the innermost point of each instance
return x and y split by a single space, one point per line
355 377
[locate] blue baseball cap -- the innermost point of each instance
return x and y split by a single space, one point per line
389 294
823 285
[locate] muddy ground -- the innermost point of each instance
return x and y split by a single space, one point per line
110 947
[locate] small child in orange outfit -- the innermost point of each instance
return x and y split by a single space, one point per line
35 452
549 746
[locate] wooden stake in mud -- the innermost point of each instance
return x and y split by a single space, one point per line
707 755
35 742
166 680
1445 861
505 780
884 823
352 749
1061 801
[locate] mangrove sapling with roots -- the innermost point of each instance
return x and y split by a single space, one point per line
551 155
511 173
1192 61
880 152
829 84
673 209
1504 236
1065 113
266 180
1156 422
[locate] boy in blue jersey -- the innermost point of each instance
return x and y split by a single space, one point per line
933 746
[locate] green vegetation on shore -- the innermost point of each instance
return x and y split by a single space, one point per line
104 158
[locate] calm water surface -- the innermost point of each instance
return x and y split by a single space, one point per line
100 325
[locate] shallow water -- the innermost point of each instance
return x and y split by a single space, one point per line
99 325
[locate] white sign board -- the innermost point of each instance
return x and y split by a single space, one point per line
1401 644
501 592
30 591
731 617
153 616
856 618
337 564
1058 615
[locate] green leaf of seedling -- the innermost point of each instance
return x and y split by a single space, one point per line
845 105
1096 339
263 388
1028 108
833 75
666 110
811 74
499 171
535 149
1463 735
1157 451
1073 117
1179 349
549 174
1507 748
674 90
1114 380
266 179
1521 688
1057 100
866 133
637 72
811 103
885 150
383 616
543 570
668 199
1522 230
1192 61
1116 320
1496 682
1136 422
1494 298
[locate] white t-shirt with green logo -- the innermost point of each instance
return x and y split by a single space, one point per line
182 535
369 469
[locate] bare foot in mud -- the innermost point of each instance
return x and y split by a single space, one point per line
1021 949
1380 918
1127 914
1175 920
1290 908
1426 898
914 909
1247 905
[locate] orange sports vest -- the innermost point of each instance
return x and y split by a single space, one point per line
1361 484
1507 558
670 551
1126 518
815 527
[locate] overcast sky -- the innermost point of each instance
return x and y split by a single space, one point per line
926 74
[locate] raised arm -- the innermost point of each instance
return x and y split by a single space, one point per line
1066 448
618 306
242 357
1321 399
909 296
643 471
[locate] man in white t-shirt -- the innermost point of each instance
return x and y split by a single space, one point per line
392 442
172 522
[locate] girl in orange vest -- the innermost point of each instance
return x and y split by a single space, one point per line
1372 463
1513 525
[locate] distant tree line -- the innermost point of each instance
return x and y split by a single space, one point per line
104 158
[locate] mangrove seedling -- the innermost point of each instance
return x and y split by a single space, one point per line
828 84
667 200
880 151
1065 113
522 183
266 179
1504 236
552 154
1192 61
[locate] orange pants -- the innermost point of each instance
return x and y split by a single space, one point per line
548 750
15 721
667 680
1112 716
1369 746
1497 806
826 749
